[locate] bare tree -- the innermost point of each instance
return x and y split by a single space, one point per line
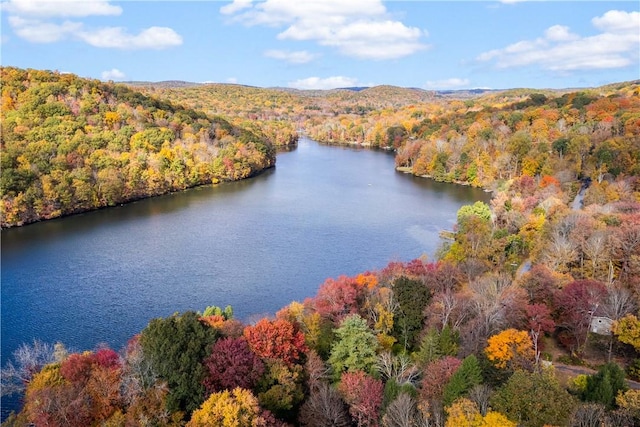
317 371
449 308
619 302
324 408
399 368
480 395
626 247
588 415
402 412
137 375
596 248
496 301
29 359
561 252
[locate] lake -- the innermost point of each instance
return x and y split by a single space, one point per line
256 245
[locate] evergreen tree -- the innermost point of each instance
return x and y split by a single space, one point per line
604 386
412 297
176 347
429 349
448 341
435 345
468 375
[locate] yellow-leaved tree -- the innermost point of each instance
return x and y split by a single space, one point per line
465 413
627 330
236 408
510 347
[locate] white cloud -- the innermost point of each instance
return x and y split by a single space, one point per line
326 83
118 38
60 8
232 80
235 6
113 74
616 21
560 33
356 28
559 50
452 83
297 57
38 21
36 31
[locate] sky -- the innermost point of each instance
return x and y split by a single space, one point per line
323 44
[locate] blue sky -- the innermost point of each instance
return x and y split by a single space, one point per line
322 44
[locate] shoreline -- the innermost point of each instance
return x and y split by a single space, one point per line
135 199
408 170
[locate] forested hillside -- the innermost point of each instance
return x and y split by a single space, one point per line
71 144
271 112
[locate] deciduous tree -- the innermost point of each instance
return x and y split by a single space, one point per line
355 349
324 407
577 304
235 408
277 339
435 377
534 399
280 390
627 330
337 298
232 364
510 347
363 394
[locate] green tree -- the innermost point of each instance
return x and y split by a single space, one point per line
604 386
280 389
478 209
355 348
534 399
436 344
176 347
412 297
468 375
214 310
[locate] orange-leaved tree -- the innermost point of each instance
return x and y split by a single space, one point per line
510 347
277 339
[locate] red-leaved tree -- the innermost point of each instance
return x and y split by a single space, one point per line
363 394
435 377
277 339
577 304
232 364
338 298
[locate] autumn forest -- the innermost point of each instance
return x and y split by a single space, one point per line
528 316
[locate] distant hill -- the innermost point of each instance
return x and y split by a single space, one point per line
166 83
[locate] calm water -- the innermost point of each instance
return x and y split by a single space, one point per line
256 245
